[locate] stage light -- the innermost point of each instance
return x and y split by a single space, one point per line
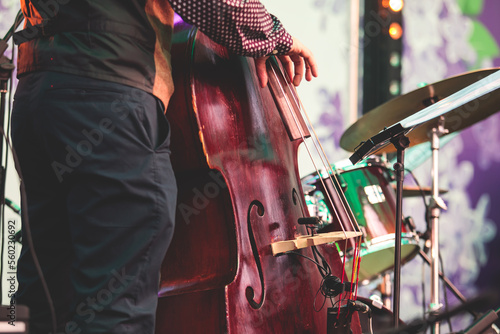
396 5
395 87
383 51
395 59
395 30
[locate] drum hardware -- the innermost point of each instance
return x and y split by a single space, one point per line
382 314
385 288
372 199
414 191
455 104
448 284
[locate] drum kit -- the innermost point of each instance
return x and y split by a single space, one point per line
374 191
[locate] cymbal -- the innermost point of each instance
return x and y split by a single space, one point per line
414 191
403 106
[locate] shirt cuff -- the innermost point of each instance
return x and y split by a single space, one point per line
283 46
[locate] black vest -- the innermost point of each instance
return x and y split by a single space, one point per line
123 41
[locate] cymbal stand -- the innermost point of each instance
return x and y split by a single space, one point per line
449 285
436 205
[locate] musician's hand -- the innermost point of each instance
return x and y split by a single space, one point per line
293 62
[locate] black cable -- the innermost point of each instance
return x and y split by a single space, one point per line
314 301
423 290
324 270
422 195
427 222
17 22
29 238
306 257
325 265
421 190
426 217
326 273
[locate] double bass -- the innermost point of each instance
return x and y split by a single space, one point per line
235 160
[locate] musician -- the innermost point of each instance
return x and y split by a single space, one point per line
89 129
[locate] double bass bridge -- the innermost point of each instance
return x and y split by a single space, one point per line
303 241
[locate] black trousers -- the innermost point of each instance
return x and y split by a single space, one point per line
101 199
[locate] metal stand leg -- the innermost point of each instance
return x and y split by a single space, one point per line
449 284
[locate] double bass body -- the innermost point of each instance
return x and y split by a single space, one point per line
239 191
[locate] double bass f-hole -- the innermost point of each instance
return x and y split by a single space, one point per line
250 292
255 212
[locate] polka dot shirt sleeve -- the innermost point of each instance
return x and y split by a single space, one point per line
243 26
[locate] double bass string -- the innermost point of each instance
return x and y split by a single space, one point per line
316 253
319 149
321 153
347 208
302 135
297 124
325 162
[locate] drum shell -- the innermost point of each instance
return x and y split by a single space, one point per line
372 199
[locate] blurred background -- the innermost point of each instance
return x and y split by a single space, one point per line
370 51
400 46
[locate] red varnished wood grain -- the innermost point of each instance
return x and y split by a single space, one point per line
237 168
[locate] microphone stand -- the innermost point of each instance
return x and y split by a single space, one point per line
396 135
400 142
6 69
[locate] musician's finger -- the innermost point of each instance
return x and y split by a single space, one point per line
287 66
260 68
298 63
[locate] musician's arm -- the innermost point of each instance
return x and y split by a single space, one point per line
246 28
243 26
